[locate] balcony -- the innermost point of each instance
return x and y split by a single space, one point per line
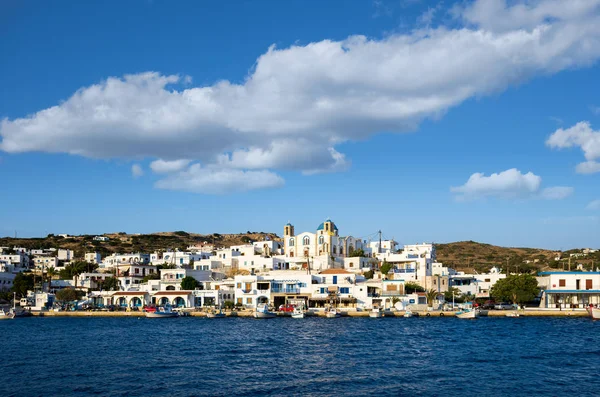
409 270
249 291
292 290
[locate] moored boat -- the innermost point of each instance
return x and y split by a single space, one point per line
467 314
408 313
215 314
298 313
162 312
331 313
512 314
262 311
594 312
376 312
6 315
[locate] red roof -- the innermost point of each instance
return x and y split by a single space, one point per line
335 271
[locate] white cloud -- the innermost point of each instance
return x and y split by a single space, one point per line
593 205
161 166
556 192
210 180
583 136
303 101
509 184
595 109
136 171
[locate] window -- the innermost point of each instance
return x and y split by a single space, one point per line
588 284
351 264
321 239
487 280
322 291
344 290
291 242
239 286
249 301
239 300
302 285
561 283
306 240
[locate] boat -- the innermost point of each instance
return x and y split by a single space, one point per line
6 315
482 312
165 311
215 314
408 313
298 313
262 311
376 312
331 313
467 314
594 312
512 314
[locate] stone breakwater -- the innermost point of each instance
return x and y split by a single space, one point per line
248 313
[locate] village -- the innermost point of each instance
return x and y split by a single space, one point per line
317 270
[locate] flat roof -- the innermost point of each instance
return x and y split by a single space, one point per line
582 273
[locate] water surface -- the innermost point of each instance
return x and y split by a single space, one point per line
313 357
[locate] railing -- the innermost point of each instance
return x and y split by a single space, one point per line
294 290
249 291
409 270
391 293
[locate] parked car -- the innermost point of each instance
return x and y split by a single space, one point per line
286 308
488 305
504 306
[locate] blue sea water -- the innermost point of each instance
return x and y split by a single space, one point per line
289 357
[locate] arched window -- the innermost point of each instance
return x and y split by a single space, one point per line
334 250
341 250
321 239
306 240
291 242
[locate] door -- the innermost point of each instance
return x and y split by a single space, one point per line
335 279
588 284
577 284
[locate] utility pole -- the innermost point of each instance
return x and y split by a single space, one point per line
569 262
379 249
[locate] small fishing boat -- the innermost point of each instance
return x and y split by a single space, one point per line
376 312
215 314
331 313
594 312
262 311
162 312
467 314
298 313
408 313
7 315
512 314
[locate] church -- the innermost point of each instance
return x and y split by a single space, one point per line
325 242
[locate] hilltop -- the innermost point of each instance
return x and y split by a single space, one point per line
471 255
124 243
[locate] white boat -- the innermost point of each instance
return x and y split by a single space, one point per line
298 313
262 311
512 314
215 314
408 313
376 312
467 314
9 315
482 312
162 312
332 313
594 312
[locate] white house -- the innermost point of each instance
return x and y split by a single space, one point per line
275 288
65 255
123 259
45 262
19 260
569 289
93 257
101 238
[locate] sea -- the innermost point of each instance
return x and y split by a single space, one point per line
291 357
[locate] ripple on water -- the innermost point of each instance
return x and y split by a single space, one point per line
315 356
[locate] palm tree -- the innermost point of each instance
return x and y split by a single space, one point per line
431 296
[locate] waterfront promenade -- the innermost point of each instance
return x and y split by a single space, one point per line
249 313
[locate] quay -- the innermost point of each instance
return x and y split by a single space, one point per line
350 313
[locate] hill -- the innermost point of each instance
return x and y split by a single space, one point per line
124 243
471 255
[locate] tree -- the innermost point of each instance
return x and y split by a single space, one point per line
68 295
189 283
368 274
228 305
386 267
22 283
110 283
431 296
75 269
359 252
516 288
458 295
410 288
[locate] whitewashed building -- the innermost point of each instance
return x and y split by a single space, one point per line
569 290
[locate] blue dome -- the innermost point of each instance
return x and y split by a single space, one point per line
322 226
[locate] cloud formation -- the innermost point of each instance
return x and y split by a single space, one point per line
583 136
300 102
136 170
593 205
509 184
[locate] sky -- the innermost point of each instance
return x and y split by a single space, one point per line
430 121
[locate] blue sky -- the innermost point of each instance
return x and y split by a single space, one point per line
391 115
